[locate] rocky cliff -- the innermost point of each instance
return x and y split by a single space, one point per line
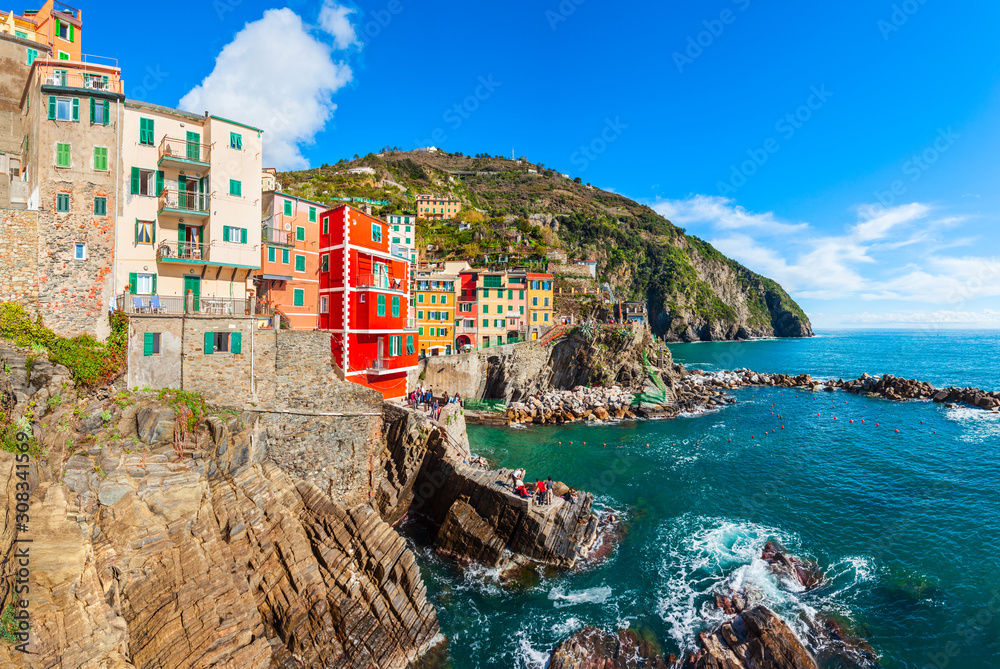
163 537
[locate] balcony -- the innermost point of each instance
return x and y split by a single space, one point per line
94 77
380 282
400 251
184 203
183 154
184 252
207 306
461 329
276 237
392 364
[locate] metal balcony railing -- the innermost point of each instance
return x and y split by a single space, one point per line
391 363
381 282
187 201
179 304
73 74
271 235
174 148
168 250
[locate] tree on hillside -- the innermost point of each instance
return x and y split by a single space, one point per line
578 180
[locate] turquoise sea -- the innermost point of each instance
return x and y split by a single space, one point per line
905 525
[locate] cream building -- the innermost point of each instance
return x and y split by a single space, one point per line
190 216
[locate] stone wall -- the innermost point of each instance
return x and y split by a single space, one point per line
19 256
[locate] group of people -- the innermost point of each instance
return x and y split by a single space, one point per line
423 398
542 489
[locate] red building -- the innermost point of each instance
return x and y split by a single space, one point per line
364 301
466 310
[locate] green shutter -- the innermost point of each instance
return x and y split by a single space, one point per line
107 111
270 254
71 32
76 109
93 108
225 233
381 305
136 231
243 235
288 207
132 280
135 181
395 306
152 236
147 343
298 297
300 263
284 256
236 342
154 276
300 233
159 182
209 343
52 107
58 24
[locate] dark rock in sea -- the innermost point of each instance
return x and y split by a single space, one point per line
755 639
465 535
592 648
805 573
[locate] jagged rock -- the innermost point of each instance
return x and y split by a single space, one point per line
591 648
465 535
807 574
156 424
755 639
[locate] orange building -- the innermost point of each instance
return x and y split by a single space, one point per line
289 259
437 208
56 24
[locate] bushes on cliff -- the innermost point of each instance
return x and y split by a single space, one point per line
91 362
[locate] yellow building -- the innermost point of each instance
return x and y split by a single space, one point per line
437 208
541 304
492 303
436 297
55 24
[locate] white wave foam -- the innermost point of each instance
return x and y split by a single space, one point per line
528 656
566 627
597 595
978 425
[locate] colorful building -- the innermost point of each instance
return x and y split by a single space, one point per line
403 236
467 314
436 301
57 27
437 208
540 304
492 307
288 280
70 153
190 220
364 301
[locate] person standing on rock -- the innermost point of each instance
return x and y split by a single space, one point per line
548 490
517 477
540 490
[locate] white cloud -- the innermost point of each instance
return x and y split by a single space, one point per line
984 317
879 222
333 19
722 213
276 76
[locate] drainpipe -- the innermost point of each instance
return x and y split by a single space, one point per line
347 289
118 174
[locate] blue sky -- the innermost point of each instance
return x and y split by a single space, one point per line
848 152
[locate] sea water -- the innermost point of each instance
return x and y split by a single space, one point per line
905 525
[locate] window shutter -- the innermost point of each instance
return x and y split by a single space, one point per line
225 233
71 32
93 109
152 238
159 183
236 342
154 276
52 106
137 231
209 343
181 229
76 109
147 343
243 236
135 181
132 280
58 24
107 111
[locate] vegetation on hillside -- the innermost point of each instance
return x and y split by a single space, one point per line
518 212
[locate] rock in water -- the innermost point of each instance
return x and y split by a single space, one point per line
591 648
755 639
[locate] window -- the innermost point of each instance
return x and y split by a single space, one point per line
324 263
80 251
300 233
409 344
486 308
376 232
534 301
420 331
235 141
486 323
62 203
101 158
324 304
395 306
99 111
288 208
234 235
326 226
32 55
444 299
312 214
64 109
223 342
298 297
534 316
146 131
63 155
63 30
145 232
498 323
546 317
420 315
493 281
235 188
151 343
510 294
395 240
145 284
21 34
522 308
395 345
146 182
520 294
546 301
380 307
434 299
270 254
284 256
100 206
420 298
300 263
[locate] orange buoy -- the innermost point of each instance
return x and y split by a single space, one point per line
897 430
782 427
876 424
852 420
